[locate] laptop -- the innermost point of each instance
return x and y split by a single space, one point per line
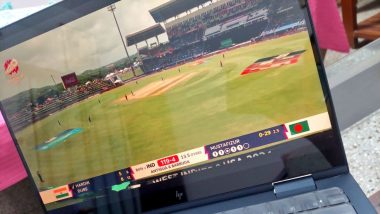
175 106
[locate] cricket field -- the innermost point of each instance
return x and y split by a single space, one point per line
179 109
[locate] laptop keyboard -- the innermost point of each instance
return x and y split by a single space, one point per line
328 201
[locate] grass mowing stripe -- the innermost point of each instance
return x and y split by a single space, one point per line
217 104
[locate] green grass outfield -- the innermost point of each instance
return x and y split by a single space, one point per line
214 105
129 75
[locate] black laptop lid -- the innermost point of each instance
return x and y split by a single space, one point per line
185 101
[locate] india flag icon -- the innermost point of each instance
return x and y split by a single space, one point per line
62 193
56 194
300 127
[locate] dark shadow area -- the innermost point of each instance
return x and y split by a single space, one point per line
20 199
369 6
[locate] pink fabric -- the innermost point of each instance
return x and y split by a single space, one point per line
11 167
329 26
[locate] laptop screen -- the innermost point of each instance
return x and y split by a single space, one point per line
163 102
13 10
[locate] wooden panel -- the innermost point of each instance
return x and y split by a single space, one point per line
349 11
369 28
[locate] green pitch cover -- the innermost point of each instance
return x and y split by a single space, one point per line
60 138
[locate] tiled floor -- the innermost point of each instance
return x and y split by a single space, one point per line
19 199
362 144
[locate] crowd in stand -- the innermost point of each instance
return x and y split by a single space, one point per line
262 13
157 51
177 57
284 16
212 17
187 37
32 112
186 43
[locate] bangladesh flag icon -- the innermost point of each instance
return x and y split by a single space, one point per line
300 127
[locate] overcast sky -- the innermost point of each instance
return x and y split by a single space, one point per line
87 43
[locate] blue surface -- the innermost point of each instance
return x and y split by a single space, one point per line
60 138
6 6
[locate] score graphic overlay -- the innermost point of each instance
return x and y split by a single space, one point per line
56 194
168 160
129 178
169 163
247 142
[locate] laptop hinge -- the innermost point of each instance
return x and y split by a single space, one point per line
294 186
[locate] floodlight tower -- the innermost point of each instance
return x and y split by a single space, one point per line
112 9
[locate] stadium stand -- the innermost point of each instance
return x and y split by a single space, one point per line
192 36
144 35
212 27
188 35
33 113
157 51
173 8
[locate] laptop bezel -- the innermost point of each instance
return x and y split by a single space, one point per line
254 189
